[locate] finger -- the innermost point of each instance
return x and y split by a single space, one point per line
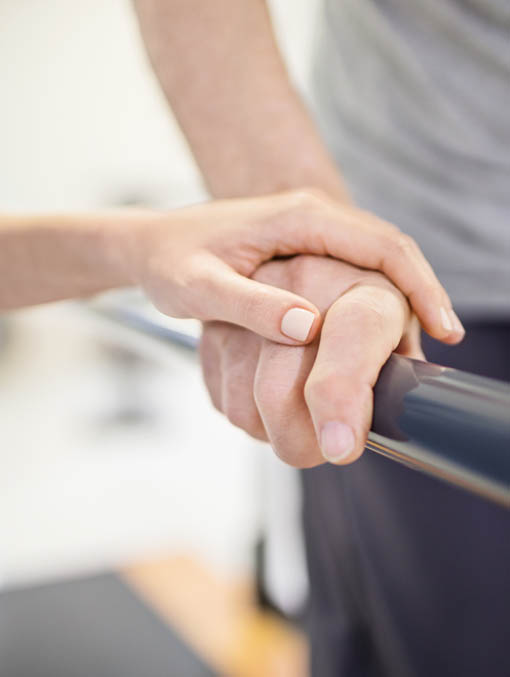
320 226
360 331
210 359
229 358
410 344
217 292
279 384
239 358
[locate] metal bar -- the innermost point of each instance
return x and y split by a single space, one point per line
441 421
445 422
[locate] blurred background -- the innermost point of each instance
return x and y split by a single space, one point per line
139 532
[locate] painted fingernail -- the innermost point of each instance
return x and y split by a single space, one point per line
457 324
296 323
337 441
445 319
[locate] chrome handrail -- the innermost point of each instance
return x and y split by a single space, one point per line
447 423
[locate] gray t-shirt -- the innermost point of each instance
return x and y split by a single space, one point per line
413 97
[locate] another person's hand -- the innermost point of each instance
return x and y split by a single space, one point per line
198 261
312 402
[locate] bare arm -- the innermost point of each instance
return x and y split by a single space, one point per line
250 133
55 256
192 262
221 70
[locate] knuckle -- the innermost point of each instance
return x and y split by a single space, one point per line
343 393
320 388
297 451
426 290
307 197
375 302
377 312
403 245
241 416
369 313
338 385
389 228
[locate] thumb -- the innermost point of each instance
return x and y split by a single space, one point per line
223 294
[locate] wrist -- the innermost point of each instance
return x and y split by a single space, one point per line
266 175
123 241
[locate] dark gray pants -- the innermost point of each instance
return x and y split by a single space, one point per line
410 576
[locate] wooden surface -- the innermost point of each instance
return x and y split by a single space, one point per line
218 619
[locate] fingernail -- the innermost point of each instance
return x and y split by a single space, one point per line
337 441
445 319
296 323
457 324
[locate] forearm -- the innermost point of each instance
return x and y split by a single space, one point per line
221 70
54 257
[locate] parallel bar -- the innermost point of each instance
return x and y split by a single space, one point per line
445 422
441 421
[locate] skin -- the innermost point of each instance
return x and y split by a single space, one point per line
199 261
250 133
285 396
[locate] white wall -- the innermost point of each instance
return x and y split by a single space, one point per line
82 119
83 124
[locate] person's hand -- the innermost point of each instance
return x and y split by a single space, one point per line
198 261
312 402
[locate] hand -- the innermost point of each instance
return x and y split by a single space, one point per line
312 402
197 262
